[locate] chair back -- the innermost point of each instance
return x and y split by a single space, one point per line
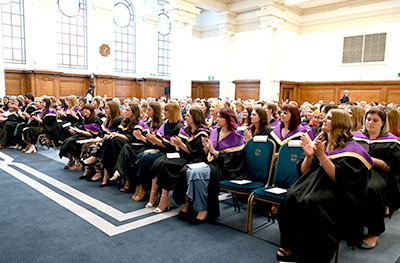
259 157
286 170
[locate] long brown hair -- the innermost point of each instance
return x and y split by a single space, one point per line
263 121
341 130
198 119
394 121
90 107
130 123
114 113
156 120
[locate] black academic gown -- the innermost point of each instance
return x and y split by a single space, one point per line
111 148
143 162
317 212
71 146
383 186
167 170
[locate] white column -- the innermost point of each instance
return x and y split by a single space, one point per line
182 15
271 21
227 26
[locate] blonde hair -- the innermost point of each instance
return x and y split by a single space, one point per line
72 102
175 114
358 117
341 130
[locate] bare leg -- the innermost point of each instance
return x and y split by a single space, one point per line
187 205
153 194
106 176
371 240
90 160
97 176
202 215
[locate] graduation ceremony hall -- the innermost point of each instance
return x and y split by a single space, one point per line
200 131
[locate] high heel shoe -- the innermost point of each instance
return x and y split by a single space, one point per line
185 215
31 150
69 164
148 205
140 195
158 210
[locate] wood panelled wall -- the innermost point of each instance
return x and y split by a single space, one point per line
205 89
388 91
60 84
247 89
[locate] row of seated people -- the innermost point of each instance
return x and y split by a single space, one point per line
348 179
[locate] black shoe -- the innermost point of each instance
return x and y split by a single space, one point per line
84 177
197 221
285 257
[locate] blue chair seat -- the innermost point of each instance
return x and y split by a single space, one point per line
226 184
262 194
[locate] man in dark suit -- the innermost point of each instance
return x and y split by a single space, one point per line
345 97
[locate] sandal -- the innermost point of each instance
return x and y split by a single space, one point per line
126 187
140 195
285 257
148 205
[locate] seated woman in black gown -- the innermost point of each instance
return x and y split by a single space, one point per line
127 156
44 122
383 178
259 124
71 116
290 127
328 202
190 148
225 161
109 126
89 129
111 147
157 144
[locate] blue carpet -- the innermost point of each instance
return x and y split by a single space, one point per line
34 228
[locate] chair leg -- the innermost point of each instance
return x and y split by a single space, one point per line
337 254
247 213
250 209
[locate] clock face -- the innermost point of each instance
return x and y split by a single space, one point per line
104 50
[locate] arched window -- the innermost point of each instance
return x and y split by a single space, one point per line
13 26
125 36
164 50
72 34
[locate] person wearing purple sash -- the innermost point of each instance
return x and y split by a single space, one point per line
215 106
111 148
126 162
89 129
324 109
189 145
383 179
225 161
69 116
157 144
290 127
46 123
109 126
259 124
328 202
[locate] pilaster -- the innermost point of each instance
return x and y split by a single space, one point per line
226 23
271 21
182 14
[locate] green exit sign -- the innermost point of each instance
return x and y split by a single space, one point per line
212 77
398 75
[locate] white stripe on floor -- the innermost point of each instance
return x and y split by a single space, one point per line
82 212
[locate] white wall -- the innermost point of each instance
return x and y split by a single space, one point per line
320 56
